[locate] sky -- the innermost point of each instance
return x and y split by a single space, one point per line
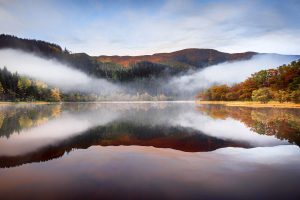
137 27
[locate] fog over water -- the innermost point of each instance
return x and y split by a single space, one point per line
66 78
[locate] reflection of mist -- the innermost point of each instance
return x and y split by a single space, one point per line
232 130
68 123
75 119
14 118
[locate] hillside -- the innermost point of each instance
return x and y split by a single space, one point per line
125 68
196 58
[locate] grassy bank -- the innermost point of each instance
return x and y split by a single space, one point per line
252 104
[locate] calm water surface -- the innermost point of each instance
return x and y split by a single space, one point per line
148 151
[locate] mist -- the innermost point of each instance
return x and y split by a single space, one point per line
228 72
54 73
68 79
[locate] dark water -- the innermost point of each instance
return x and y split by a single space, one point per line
148 151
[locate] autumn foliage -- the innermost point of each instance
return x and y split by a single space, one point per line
281 84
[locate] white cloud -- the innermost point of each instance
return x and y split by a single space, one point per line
129 30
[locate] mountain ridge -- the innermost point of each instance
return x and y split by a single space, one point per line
126 68
189 56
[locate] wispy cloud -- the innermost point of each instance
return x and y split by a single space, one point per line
132 27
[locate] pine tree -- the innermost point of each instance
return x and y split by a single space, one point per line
1 91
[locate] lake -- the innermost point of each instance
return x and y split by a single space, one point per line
166 150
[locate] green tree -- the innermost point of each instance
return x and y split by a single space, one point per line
232 96
260 78
219 92
281 96
1 91
22 87
295 84
263 95
295 96
55 95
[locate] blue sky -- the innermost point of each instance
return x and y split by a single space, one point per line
127 27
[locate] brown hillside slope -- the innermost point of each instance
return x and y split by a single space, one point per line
186 57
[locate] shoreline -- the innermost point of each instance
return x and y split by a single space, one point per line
271 104
24 102
100 102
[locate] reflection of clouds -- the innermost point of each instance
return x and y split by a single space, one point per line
260 155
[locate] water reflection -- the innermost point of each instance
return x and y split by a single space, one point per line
137 172
148 151
17 118
282 123
42 132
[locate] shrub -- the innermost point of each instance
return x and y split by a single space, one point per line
281 96
263 95
295 96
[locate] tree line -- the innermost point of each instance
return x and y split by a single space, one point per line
281 84
14 87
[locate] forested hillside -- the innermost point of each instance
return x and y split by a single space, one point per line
186 58
281 84
125 68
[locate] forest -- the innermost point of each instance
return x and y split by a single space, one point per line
161 65
16 88
281 84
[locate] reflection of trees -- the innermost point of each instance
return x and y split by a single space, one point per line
19 117
126 133
283 123
16 118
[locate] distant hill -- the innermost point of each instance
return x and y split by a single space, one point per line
187 58
126 68
196 58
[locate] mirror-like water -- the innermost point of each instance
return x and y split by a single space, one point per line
148 151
